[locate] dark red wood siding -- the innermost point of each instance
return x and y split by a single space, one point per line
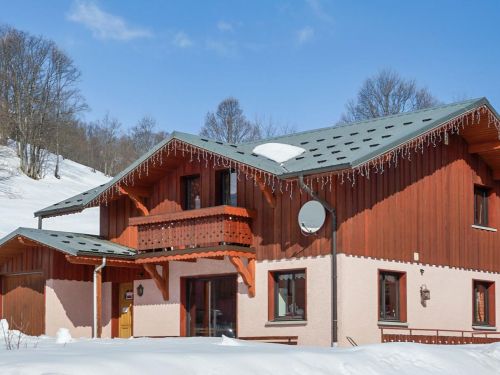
424 205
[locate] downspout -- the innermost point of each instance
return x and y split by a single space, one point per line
40 218
96 270
332 211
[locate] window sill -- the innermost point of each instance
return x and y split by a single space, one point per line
278 323
489 229
387 323
483 328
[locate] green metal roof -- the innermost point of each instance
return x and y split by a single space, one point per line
71 243
332 148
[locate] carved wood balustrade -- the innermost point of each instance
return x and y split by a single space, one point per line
209 226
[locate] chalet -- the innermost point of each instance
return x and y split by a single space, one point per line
204 238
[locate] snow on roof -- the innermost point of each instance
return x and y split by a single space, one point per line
278 152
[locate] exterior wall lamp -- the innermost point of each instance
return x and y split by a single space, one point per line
425 295
140 290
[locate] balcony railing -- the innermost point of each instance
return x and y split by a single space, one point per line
438 336
203 227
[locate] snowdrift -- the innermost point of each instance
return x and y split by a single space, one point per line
20 195
175 356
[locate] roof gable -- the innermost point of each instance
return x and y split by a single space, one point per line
334 148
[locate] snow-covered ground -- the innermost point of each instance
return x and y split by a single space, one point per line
207 356
20 195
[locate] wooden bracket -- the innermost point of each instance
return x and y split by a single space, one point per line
160 281
266 190
135 198
247 273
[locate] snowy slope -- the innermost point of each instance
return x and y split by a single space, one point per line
203 356
20 196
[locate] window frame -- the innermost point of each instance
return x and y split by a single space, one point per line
485 190
220 188
401 297
273 295
490 309
184 192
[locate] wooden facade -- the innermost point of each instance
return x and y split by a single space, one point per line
424 206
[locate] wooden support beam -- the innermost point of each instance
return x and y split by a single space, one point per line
475 148
160 281
135 198
266 190
139 191
247 272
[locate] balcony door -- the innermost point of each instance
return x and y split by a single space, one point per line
211 306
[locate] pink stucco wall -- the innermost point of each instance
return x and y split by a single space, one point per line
450 306
155 317
69 305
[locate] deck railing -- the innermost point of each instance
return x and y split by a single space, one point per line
438 336
203 227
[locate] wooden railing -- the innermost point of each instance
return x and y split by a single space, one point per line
203 227
438 336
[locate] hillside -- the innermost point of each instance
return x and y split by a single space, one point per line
20 196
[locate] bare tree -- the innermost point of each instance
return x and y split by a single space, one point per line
67 101
37 91
144 135
384 94
103 139
268 128
229 124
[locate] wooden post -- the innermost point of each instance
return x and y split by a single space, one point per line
99 303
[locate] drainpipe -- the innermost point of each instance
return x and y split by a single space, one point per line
332 211
96 270
40 218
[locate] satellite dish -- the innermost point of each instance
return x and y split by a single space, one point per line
311 217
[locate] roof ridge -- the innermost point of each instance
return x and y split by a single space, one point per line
339 125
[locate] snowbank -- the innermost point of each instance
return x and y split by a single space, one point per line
20 196
208 356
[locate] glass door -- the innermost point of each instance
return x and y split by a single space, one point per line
211 306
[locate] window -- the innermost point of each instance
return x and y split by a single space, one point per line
288 295
191 190
484 303
226 187
481 206
392 294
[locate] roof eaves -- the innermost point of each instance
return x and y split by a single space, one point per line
45 213
422 130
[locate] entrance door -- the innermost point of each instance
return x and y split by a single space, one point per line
211 306
24 303
125 302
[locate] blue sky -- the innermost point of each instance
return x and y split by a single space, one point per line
297 62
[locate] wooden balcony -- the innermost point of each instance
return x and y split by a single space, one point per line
211 226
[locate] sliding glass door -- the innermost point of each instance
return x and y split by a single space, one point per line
211 306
